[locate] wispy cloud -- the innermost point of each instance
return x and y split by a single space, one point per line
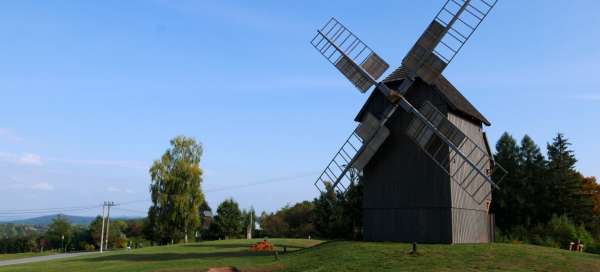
9 135
22 159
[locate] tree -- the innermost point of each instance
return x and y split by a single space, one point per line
273 224
591 188
229 219
96 230
507 200
566 183
290 221
534 184
353 209
59 233
176 190
331 221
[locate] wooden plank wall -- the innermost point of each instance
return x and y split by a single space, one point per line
470 219
406 195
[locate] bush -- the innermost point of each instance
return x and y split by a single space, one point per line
561 230
517 234
89 247
592 248
583 235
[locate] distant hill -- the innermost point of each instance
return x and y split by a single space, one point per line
47 219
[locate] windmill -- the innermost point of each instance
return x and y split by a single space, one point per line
427 168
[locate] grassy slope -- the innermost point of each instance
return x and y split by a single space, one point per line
12 256
332 256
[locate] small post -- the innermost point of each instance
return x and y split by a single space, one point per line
414 248
284 249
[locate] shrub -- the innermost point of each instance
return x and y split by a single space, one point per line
592 248
89 247
563 232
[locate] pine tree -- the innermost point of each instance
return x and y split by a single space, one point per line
506 201
533 179
565 183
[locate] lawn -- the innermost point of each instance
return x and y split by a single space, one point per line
312 255
12 256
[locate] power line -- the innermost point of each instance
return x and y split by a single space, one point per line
50 209
130 210
18 212
41 211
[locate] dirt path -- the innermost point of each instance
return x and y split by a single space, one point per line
43 258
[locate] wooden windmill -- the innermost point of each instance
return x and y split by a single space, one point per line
427 168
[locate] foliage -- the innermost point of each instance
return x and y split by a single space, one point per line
10 230
536 190
59 233
338 215
290 221
248 221
566 183
175 191
228 220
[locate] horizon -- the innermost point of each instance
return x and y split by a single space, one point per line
93 93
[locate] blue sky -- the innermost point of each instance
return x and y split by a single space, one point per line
92 91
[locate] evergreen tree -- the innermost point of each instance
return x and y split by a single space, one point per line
565 183
507 201
532 166
175 191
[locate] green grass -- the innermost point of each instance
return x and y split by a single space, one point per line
309 255
12 256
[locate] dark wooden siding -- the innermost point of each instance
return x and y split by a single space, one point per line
407 196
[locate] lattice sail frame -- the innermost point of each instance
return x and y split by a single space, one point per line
349 54
441 41
472 181
427 59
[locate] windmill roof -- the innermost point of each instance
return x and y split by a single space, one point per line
453 97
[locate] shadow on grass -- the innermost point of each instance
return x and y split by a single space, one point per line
244 246
147 257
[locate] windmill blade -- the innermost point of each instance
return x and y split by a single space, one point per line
469 165
451 28
352 57
432 132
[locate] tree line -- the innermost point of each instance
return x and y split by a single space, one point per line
544 199
62 236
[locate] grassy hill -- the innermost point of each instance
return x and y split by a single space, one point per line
47 219
309 255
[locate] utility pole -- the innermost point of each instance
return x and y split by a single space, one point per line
108 204
102 233
250 227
